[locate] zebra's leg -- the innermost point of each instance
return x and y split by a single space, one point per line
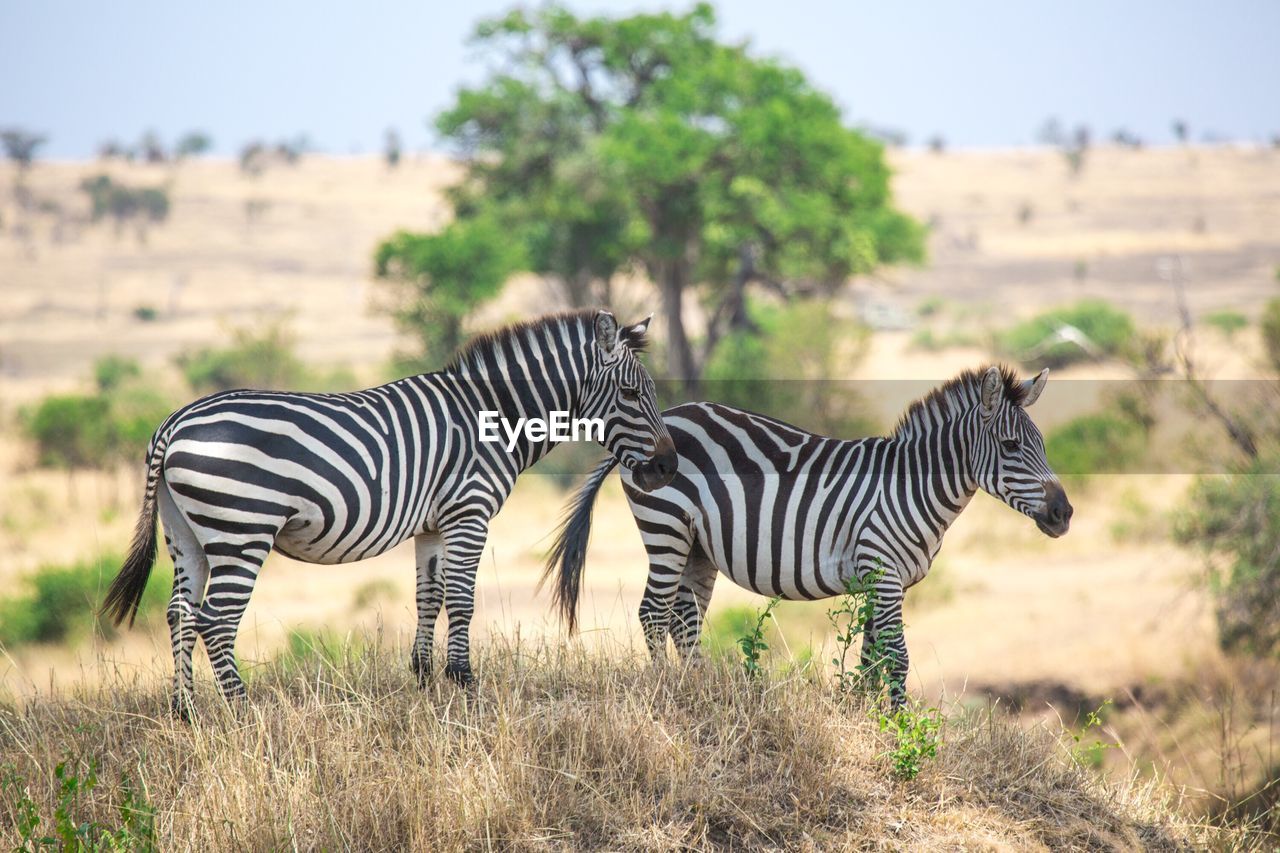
668 556
884 643
463 544
692 600
190 572
233 571
428 551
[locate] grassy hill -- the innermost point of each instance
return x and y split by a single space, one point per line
558 748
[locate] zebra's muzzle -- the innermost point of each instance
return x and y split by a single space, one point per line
1055 518
659 469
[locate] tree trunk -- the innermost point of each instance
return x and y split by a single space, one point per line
672 278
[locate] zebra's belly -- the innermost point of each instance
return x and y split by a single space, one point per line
757 562
303 539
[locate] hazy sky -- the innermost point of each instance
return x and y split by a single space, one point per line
982 72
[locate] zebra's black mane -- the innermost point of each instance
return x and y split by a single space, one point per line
956 396
487 341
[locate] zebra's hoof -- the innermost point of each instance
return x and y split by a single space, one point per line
461 675
422 669
180 709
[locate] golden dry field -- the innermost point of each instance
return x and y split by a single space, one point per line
1009 613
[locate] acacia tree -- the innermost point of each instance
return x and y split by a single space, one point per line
20 146
606 142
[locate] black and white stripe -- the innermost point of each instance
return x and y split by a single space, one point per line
782 511
335 478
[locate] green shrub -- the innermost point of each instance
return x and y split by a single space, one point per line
1227 322
59 604
1270 326
916 733
71 431
1108 331
1235 519
264 361
1105 442
97 430
781 368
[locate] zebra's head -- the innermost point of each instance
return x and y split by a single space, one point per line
1009 459
619 390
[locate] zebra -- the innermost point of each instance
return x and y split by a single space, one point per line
335 478
787 513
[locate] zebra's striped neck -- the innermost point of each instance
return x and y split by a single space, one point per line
939 463
528 370
953 401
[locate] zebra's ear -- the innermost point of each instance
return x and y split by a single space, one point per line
634 336
992 390
606 331
1033 388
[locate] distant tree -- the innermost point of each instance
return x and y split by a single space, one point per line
20 146
443 278
151 148
1181 131
1051 133
140 206
391 148
253 158
193 144
606 142
113 149
937 143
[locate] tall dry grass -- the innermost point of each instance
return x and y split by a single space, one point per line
560 747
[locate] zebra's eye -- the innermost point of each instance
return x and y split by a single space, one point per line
1010 445
630 394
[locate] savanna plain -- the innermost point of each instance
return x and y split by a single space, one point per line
1084 698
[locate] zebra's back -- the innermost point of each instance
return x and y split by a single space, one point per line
771 505
329 478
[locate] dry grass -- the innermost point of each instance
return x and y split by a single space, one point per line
564 748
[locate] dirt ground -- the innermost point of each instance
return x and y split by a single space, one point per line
1012 234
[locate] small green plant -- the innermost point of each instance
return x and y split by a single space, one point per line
752 644
145 314
1227 322
917 734
849 618
25 814
1090 754
76 780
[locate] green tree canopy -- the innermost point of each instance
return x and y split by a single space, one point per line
606 142
444 277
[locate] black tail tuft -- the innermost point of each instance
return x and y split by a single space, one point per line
570 549
126 590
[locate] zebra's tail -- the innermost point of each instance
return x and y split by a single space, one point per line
570 549
125 592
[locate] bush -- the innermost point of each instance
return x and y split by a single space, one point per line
71 431
781 368
101 429
1270 326
263 361
1099 443
1237 518
60 603
1227 322
1048 340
